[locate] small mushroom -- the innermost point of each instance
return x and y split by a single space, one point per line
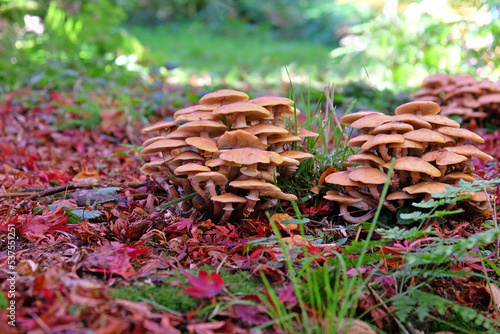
211 180
228 199
255 187
240 112
223 97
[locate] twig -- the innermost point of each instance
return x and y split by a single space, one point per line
53 191
384 305
18 194
494 217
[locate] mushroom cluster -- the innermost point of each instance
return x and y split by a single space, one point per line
464 97
229 150
430 151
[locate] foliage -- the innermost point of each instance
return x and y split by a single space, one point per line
54 43
399 52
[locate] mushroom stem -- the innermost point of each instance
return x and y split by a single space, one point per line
252 199
383 152
267 205
355 220
228 210
210 186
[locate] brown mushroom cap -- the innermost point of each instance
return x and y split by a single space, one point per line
240 112
458 176
304 133
191 168
163 145
162 125
350 118
296 155
418 108
440 121
362 157
342 179
248 156
203 143
392 127
186 156
335 196
279 195
223 97
424 135
229 198
358 141
368 175
406 144
203 177
397 195
489 99
371 120
263 131
254 185
239 139
461 133
414 120
283 139
149 141
204 128
383 139
271 101
193 109
470 151
426 188
198 116
444 158
414 164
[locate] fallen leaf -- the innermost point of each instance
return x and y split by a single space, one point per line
202 286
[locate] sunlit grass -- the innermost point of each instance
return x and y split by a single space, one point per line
235 54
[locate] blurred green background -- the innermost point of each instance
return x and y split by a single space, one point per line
373 50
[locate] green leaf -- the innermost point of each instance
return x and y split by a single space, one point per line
85 214
108 190
3 301
295 221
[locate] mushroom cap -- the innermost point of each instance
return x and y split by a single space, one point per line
414 120
489 99
335 196
392 126
213 128
463 90
414 164
216 177
254 185
161 125
406 144
238 139
470 151
426 188
444 158
304 133
358 141
279 195
350 118
186 156
458 176
178 134
342 179
418 108
250 110
219 162
271 101
192 109
249 156
163 145
223 96
229 198
203 143
425 135
371 120
152 167
297 155
198 116
362 157
461 133
289 161
149 141
383 139
399 195
288 138
266 129
368 175
440 120
189 168
478 196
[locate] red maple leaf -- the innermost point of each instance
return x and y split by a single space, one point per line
201 286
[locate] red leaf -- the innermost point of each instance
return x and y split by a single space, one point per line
201 286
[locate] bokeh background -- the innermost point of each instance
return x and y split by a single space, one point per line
376 51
